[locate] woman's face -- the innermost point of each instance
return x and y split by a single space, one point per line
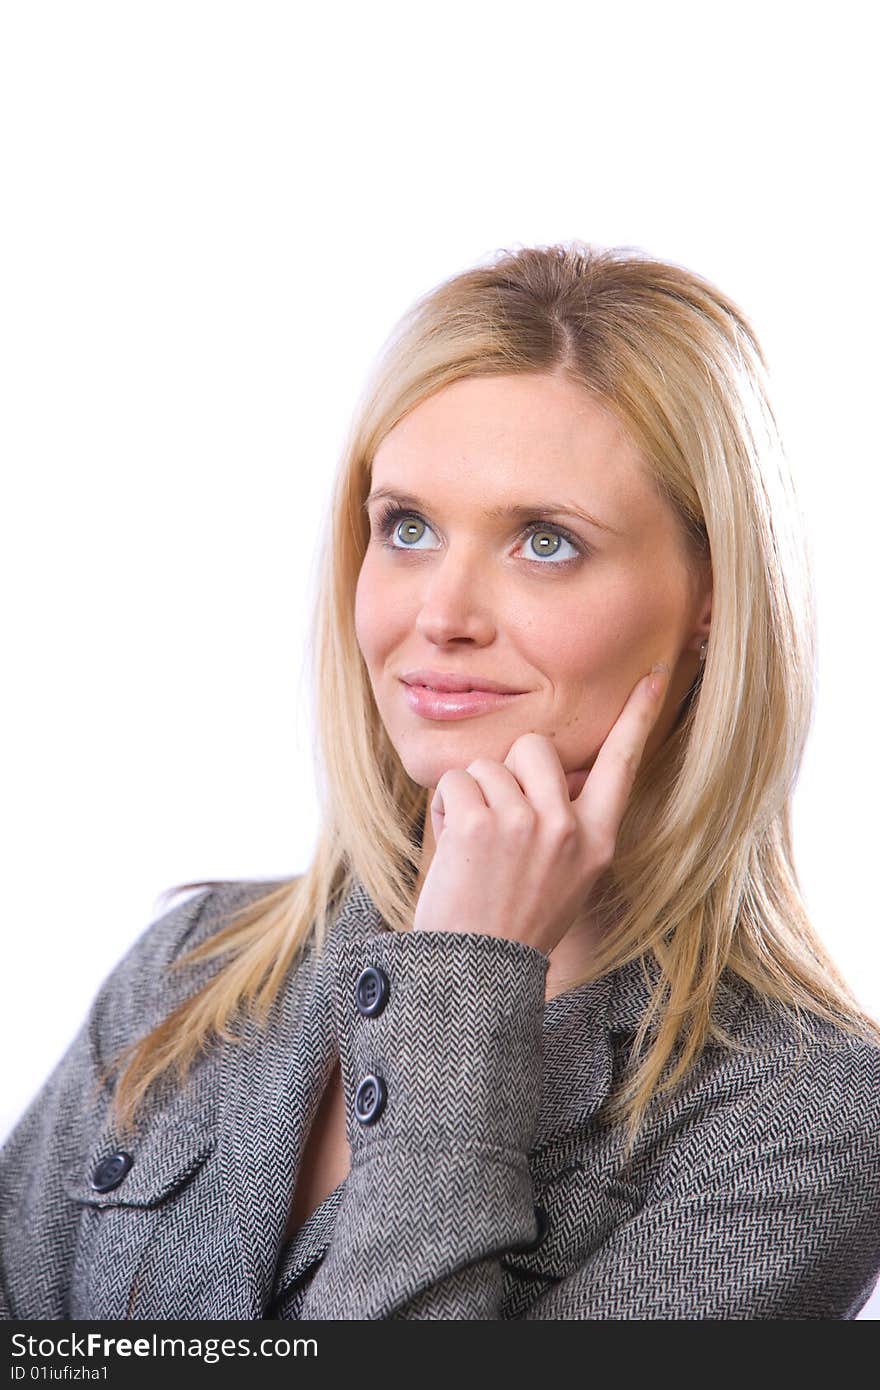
570 612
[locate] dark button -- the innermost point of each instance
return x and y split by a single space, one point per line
369 1099
110 1171
371 991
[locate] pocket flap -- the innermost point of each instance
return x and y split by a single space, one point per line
148 1169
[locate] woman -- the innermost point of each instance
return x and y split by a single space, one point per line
544 1031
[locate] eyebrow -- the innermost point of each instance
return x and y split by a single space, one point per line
515 511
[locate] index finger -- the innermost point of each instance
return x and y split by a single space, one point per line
603 799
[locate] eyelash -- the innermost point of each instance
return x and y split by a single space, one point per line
389 514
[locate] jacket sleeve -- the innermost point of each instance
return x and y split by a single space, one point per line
781 1220
38 1224
439 1186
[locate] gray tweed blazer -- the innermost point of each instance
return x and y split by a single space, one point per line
486 1180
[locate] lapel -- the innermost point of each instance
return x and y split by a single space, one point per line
579 1180
271 1085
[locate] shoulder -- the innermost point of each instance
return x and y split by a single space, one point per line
143 987
790 1093
810 1069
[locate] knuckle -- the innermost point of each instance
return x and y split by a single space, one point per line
475 824
563 829
520 822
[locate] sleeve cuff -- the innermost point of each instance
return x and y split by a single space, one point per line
440 1040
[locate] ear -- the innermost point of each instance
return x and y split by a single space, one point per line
703 624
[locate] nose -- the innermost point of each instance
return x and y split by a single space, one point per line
456 602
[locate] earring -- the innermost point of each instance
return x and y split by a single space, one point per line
704 647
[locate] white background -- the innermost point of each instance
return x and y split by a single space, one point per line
213 215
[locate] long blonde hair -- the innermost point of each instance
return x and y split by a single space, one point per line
703 877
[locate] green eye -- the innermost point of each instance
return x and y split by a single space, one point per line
409 527
549 542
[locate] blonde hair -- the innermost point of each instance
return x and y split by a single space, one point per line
703 877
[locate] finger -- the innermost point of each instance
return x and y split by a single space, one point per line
456 792
534 761
606 790
498 783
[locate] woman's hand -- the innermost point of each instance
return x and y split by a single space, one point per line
519 845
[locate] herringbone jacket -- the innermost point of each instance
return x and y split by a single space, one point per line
488 1185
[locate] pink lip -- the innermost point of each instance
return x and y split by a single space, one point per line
455 704
452 681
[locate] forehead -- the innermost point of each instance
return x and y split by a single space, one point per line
488 438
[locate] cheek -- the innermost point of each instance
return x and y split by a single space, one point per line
598 643
379 612
365 624
578 636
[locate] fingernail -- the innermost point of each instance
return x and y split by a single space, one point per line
659 674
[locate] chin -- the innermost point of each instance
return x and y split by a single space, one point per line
426 771
425 775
